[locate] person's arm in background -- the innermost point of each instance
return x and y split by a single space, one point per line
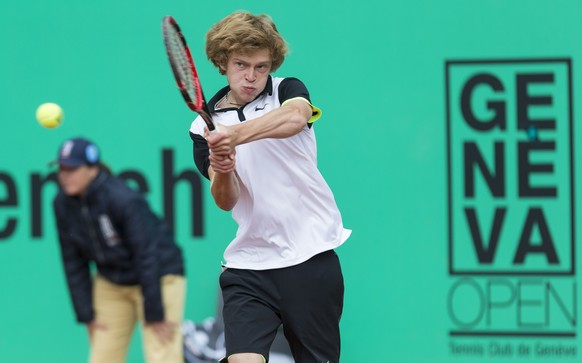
140 225
78 276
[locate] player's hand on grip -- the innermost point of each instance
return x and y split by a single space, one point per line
221 140
222 151
222 163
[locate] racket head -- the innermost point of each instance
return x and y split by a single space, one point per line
184 69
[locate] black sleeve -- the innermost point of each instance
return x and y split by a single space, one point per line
140 232
77 271
292 87
200 153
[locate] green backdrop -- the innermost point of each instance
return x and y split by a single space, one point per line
464 240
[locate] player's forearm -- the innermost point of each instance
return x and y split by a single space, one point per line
225 189
280 123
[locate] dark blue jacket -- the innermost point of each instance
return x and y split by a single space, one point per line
114 227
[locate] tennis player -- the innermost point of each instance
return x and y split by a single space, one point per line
281 267
106 226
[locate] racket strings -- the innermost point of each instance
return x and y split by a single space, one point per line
178 54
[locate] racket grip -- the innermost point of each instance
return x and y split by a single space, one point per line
208 121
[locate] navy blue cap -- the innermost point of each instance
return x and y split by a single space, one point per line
77 152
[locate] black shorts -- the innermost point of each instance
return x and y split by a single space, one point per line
307 299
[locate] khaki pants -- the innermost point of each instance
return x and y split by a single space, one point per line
120 307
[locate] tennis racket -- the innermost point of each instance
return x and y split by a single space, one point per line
184 69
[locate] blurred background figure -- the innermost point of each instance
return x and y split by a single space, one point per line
121 261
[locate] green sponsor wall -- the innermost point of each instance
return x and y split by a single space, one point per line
463 244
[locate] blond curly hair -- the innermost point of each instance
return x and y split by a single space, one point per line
243 32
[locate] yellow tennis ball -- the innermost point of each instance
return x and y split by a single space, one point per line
49 115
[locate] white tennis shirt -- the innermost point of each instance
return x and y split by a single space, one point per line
286 212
